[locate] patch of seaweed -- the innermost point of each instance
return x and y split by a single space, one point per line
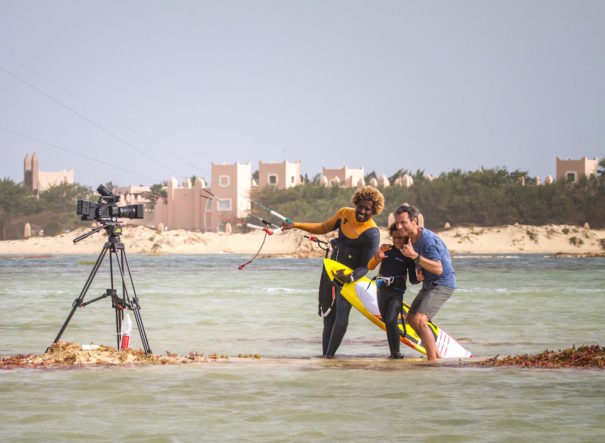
586 356
65 355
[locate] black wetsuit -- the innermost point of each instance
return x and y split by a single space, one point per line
354 247
390 293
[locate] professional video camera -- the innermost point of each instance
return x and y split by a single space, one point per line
106 209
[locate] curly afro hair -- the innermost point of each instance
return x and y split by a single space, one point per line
369 193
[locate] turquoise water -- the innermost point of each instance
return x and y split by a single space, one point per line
504 305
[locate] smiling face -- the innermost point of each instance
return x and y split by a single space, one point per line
398 239
364 210
405 226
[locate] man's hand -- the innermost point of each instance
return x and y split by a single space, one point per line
287 225
419 275
342 276
408 250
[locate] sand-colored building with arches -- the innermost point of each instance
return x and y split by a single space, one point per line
347 177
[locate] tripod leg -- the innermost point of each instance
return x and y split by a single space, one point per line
135 305
78 301
114 299
119 316
139 320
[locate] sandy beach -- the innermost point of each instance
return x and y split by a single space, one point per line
511 239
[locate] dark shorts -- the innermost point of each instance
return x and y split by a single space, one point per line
429 301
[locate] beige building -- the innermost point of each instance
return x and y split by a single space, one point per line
283 175
38 181
347 177
196 207
184 206
228 201
573 170
231 186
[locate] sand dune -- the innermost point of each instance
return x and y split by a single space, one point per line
511 239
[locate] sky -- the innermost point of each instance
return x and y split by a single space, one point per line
138 91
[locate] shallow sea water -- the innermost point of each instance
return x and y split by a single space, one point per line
504 305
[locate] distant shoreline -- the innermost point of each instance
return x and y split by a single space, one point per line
559 240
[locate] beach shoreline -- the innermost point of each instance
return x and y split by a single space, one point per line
510 239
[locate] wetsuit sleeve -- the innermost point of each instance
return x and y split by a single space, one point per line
373 263
319 228
412 272
371 243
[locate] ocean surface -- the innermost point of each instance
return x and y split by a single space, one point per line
504 305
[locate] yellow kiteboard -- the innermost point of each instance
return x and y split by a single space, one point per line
362 295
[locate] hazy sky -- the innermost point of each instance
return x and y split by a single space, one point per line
145 90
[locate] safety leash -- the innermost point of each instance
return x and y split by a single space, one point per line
241 267
267 227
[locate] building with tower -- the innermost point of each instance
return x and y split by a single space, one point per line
38 181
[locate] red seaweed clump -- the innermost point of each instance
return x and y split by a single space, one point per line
588 356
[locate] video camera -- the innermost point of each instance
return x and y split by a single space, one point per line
106 209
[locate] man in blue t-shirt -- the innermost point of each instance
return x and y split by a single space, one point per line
431 256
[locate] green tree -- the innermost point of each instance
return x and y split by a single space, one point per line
485 197
58 207
63 197
14 200
399 174
194 177
158 190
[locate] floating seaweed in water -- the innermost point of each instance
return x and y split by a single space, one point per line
588 356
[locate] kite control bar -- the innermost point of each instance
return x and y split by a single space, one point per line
321 243
267 226
263 228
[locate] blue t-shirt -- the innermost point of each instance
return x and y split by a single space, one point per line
430 246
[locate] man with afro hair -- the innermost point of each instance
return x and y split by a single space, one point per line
357 242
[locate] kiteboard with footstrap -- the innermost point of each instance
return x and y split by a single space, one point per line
362 295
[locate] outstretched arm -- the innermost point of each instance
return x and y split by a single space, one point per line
312 228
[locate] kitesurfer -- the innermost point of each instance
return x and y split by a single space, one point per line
357 241
431 255
391 284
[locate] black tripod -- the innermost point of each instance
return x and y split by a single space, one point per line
114 247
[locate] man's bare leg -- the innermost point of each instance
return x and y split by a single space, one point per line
419 322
